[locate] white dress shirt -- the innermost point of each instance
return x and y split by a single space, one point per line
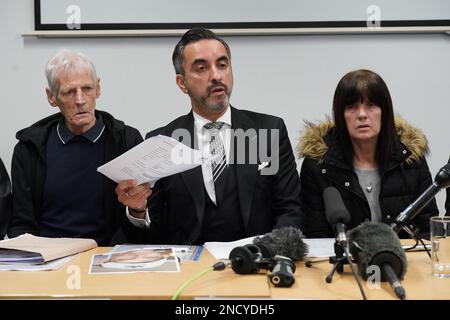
202 136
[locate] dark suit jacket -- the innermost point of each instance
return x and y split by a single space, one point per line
5 200
447 200
177 204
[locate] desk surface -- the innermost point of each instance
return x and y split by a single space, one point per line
418 283
62 283
310 282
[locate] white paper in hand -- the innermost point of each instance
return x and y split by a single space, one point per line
154 158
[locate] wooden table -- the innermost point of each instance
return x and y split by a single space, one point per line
73 281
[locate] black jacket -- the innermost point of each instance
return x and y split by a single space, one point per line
406 177
28 174
447 200
177 203
5 200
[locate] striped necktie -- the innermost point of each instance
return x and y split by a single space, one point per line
218 159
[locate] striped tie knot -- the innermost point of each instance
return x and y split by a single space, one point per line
214 125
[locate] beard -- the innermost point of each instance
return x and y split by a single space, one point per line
214 106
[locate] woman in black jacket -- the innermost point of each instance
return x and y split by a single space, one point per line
5 200
376 161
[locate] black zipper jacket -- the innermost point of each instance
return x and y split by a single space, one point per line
28 172
5 199
405 178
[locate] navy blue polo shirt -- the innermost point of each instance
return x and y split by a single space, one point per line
73 201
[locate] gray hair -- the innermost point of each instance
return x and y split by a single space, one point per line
66 60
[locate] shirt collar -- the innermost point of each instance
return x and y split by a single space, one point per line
201 121
93 134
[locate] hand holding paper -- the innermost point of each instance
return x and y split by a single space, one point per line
138 169
151 160
133 196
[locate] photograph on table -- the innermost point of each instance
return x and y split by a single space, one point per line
138 260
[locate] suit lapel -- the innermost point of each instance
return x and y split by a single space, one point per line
193 179
245 173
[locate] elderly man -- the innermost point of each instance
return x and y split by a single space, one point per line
249 187
57 190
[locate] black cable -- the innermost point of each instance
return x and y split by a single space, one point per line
414 246
416 236
355 273
426 249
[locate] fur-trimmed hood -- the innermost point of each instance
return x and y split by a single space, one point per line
312 144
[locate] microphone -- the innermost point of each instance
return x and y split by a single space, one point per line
285 241
441 181
336 212
376 244
275 251
247 259
284 246
338 216
282 273
251 258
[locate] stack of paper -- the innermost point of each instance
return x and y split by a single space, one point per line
31 250
151 160
317 248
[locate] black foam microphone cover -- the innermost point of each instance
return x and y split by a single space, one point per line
376 244
286 241
335 209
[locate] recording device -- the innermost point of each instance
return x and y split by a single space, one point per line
336 213
286 241
284 245
376 244
282 273
441 181
251 258
275 251
248 259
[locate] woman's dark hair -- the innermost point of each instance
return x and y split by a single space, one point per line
358 86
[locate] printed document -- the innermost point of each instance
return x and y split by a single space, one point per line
155 158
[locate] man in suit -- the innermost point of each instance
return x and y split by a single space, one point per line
250 185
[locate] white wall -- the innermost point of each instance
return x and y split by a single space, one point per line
290 76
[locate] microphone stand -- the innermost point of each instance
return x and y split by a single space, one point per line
342 257
414 235
441 181
338 261
413 210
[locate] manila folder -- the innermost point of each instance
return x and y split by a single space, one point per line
49 248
